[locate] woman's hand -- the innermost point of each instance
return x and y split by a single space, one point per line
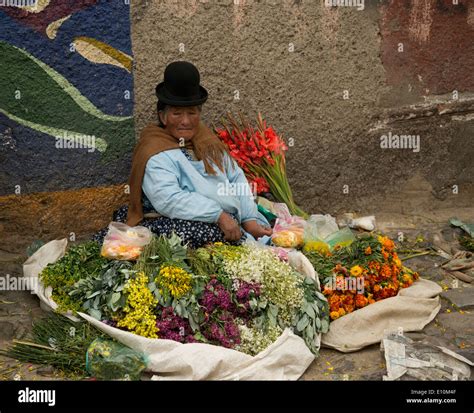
256 230
229 227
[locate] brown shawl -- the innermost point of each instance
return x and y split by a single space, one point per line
153 140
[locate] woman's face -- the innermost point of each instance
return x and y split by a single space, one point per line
181 122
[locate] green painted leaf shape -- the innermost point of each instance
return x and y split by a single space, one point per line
36 96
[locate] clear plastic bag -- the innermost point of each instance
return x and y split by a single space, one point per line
320 227
123 242
341 238
288 233
322 234
316 230
109 360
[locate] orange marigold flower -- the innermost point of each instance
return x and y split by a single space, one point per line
348 303
334 301
366 284
374 265
334 315
387 243
386 271
361 301
406 277
368 250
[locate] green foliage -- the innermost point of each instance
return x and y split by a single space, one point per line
101 294
56 341
211 259
80 261
467 242
201 262
162 251
313 316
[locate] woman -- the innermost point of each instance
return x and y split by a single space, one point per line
181 173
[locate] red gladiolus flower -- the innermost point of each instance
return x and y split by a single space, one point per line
260 153
259 184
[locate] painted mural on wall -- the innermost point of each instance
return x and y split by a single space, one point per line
66 94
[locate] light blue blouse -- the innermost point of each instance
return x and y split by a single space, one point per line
180 188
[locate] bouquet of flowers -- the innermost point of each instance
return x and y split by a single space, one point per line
354 276
261 155
239 297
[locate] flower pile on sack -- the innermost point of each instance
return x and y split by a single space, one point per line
360 273
238 297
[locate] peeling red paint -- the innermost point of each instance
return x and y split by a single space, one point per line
438 44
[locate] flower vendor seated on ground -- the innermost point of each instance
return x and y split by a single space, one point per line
182 174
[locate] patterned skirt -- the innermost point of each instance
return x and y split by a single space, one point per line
195 233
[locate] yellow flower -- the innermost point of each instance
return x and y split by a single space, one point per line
356 270
139 317
334 315
176 280
318 246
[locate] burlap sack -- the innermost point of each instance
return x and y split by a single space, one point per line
412 309
286 359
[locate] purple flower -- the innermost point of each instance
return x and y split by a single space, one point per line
216 296
173 327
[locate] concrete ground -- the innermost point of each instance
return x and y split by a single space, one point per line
453 327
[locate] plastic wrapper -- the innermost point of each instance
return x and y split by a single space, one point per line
123 242
109 360
288 234
320 227
314 242
281 210
341 238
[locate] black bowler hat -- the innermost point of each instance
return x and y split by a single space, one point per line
181 86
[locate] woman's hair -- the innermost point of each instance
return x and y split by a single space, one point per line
163 107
